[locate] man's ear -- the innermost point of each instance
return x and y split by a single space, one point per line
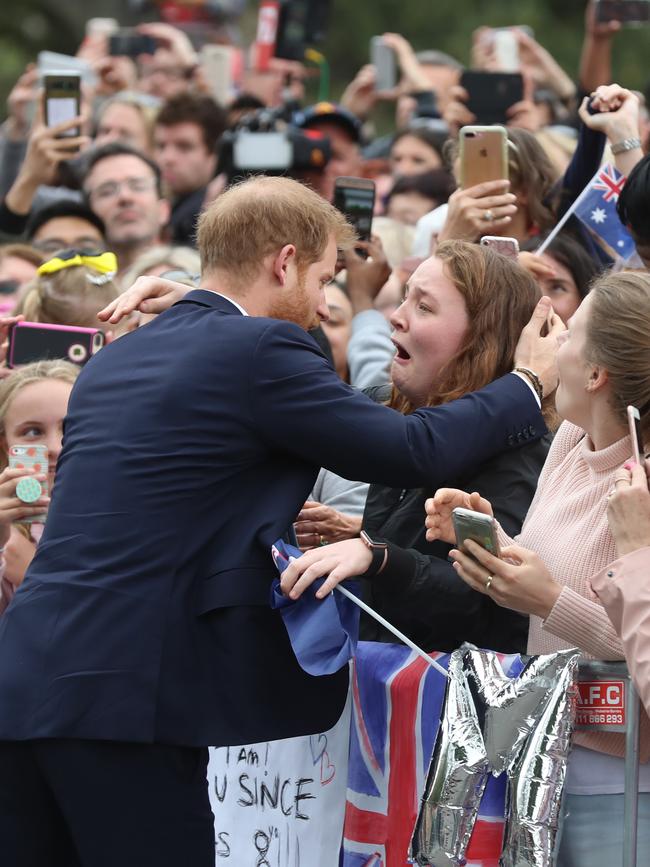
283 261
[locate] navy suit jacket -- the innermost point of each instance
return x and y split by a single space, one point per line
190 446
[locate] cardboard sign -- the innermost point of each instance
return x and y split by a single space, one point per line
281 803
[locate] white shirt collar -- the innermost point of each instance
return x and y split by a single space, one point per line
238 306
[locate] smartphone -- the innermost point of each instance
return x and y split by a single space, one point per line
635 13
38 341
101 26
62 101
483 155
477 526
491 94
636 434
355 197
508 247
32 457
216 63
506 49
383 59
129 43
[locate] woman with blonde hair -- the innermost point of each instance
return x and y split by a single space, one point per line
33 404
545 571
70 289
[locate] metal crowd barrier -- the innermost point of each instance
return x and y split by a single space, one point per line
608 702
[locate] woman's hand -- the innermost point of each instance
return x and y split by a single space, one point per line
478 210
18 554
616 112
5 324
456 114
12 509
523 584
438 509
366 277
536 267
343 560
628 508
319 525
148 295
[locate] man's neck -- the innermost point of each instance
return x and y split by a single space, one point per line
128 253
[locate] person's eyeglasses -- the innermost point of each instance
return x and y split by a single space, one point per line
55 244
111 188
9 287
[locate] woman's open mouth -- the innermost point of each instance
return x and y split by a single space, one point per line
400 353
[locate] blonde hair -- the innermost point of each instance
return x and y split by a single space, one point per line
260 215
178 258
67 297
38 371
618 339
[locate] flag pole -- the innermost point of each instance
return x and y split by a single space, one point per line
393 629
569 213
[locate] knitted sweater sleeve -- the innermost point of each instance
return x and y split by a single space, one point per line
566 438
584 623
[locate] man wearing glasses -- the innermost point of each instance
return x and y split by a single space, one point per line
123 187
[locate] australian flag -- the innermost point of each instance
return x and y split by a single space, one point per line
397 700
596 210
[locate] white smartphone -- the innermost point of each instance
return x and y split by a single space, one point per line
506 246
506 50
382 57
101 26
477 526
216 62
634 422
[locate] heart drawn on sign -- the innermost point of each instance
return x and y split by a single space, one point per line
327 769
317 745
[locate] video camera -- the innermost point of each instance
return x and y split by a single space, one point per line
265 142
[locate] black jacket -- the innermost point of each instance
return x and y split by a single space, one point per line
418 591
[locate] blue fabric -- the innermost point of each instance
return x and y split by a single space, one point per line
322 632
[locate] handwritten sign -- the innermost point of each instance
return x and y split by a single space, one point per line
281 803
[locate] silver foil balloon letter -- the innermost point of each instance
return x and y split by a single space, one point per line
492 723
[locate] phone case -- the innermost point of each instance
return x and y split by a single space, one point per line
483 155
477 526
39 341
62 100
491 94
383 59
634 13
28 456
355 197
508 247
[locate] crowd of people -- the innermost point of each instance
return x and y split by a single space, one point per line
266 373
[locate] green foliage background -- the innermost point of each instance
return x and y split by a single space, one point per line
27 26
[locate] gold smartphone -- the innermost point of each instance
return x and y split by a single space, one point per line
483 155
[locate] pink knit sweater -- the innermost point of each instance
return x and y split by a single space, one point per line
567 527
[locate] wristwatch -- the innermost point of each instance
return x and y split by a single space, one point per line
379 551
628 144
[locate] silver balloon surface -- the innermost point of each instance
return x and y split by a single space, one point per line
491 723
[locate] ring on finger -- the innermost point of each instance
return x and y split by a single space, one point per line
322 540
488 216
489 582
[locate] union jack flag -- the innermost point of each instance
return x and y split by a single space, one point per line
611 181
397 699
596 210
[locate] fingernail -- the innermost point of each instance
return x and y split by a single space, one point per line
629 465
